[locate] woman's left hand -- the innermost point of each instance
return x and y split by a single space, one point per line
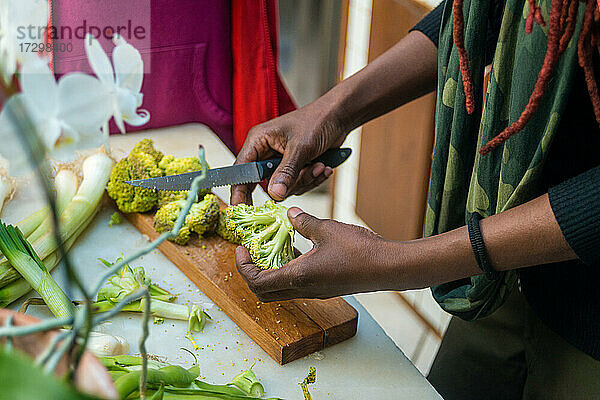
344 259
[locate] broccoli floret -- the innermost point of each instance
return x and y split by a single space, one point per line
139 164
202 218
204 215
147 146
173 166
224 232
265 231
164 221
115 219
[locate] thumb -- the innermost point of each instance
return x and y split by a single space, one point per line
308 226
286 174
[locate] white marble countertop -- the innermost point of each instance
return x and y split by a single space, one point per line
368 366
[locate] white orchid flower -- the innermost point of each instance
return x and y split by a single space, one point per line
67 115
123 82
21 34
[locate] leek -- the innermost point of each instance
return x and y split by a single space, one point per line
40 222
102 344
96 172
23 258
21 287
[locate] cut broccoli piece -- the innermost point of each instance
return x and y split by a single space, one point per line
173 166
147 146
115 219
202 217
224 232
139 164
265 231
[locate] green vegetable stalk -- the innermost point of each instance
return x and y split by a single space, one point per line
172 375
96 170
22 256
128 280
40 222
20 287
248 382
174 382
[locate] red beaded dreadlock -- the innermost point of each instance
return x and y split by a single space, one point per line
562 23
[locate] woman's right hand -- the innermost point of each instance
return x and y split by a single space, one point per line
301 136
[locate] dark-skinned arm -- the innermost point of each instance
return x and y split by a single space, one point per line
403 73
349 259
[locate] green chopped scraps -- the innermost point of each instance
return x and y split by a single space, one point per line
310 378
115 219
158 321
197 319
188 336
248 382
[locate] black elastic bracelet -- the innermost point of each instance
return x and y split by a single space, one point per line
478 246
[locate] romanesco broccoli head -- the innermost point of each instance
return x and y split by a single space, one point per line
137 165
166 197
164 221
203 216
147 146
173 166
265 231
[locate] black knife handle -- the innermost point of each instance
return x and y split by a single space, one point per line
331 158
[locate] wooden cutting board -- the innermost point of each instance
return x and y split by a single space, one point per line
286 330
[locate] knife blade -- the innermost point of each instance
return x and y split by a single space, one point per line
239 174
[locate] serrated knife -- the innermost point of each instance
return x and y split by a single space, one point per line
252 172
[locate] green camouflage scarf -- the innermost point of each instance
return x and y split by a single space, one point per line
463 181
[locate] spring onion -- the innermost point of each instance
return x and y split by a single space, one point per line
20 287
172 375
96 172
40 222
102 344
248 382
23 258
128 280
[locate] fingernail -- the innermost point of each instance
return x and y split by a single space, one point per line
318 169
328 171
279 189
294 212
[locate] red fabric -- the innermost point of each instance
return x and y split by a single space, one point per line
258 91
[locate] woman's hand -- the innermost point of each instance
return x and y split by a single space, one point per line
345 259
301 136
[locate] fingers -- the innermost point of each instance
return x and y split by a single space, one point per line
261 280
255 148
284 178
241 194
288 282
308 226
311 177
